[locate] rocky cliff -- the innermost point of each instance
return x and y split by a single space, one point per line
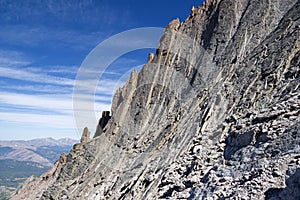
213 115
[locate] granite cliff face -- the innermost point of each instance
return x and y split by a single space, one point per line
213 115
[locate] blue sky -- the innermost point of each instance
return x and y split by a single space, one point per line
42 46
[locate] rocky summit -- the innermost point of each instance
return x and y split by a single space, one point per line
214 114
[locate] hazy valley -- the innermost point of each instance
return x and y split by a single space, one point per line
21 159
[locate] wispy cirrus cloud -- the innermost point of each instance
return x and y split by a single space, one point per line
24 75
13 59
47 103
51 103
37 91
45 120
48 111
35 88
56 69
36 99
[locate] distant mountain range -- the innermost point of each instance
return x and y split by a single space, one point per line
21 159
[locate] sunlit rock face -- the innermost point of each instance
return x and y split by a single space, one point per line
213 115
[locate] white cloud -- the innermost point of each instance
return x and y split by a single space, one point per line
51 103
52 84
12 59
37 96
53 69
48 111
20 74
52 121
37 88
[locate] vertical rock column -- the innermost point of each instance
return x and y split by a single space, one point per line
85 135
102 123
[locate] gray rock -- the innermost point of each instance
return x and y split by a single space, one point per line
214 115
102 123
86 134
150 57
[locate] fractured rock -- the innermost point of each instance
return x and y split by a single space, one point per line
214 116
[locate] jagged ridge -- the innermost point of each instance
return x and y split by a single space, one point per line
215 114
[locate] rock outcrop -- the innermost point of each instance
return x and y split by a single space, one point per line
214 115
150 57
34 186
102 123
86 135
174 24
